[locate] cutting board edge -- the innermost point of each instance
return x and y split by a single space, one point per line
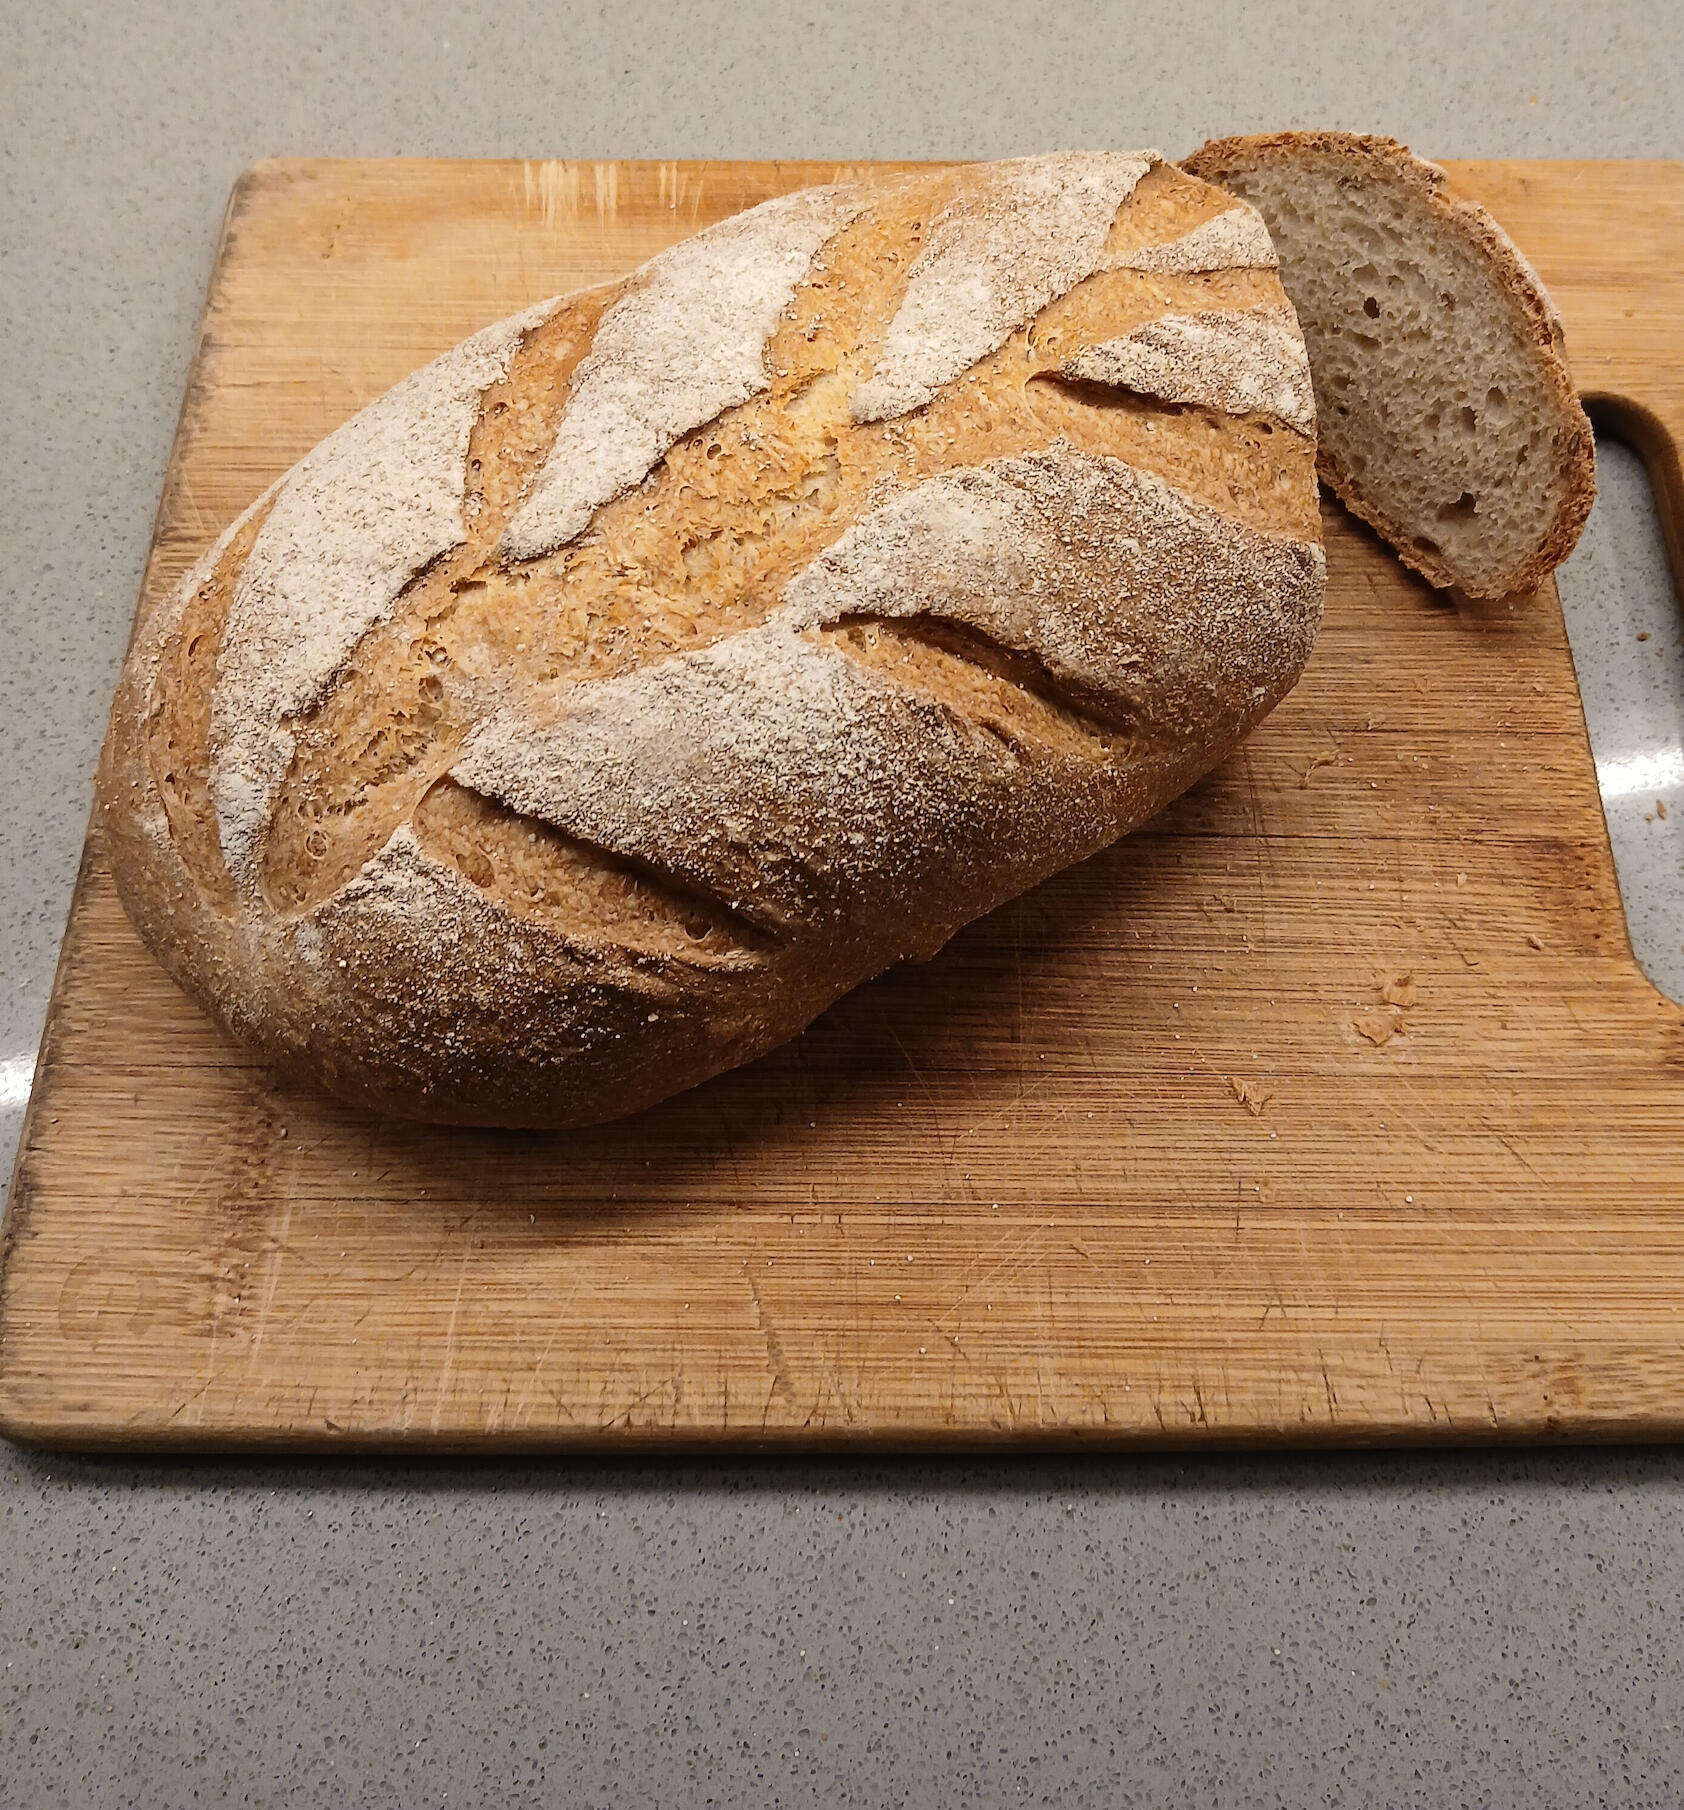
47 1433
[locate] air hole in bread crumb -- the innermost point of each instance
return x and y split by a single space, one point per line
1371 307
1465 507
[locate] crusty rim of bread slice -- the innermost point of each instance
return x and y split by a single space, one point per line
1534 313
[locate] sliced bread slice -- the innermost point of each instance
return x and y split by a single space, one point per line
1446 417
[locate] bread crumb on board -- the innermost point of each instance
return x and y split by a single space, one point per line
1252 1095
1397 993
1399 990
1378 1027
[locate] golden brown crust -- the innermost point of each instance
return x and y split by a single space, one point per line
568 830
1220 160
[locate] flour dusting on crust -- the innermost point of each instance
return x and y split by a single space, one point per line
351 524
802 787
1242 361
1017 236
957 537
749 767
1080 562
404 883
1236 240
683 345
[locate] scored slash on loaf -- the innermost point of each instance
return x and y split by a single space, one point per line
606 699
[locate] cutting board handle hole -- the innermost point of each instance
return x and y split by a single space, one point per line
1620 597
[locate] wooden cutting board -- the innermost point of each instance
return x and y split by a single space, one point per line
1331 1106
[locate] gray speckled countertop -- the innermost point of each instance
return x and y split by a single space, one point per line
1487 1629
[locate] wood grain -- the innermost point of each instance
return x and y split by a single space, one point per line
1331 1106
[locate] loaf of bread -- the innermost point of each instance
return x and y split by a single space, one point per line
606 699
1447 416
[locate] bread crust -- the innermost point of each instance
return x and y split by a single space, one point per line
881 674
1535 315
